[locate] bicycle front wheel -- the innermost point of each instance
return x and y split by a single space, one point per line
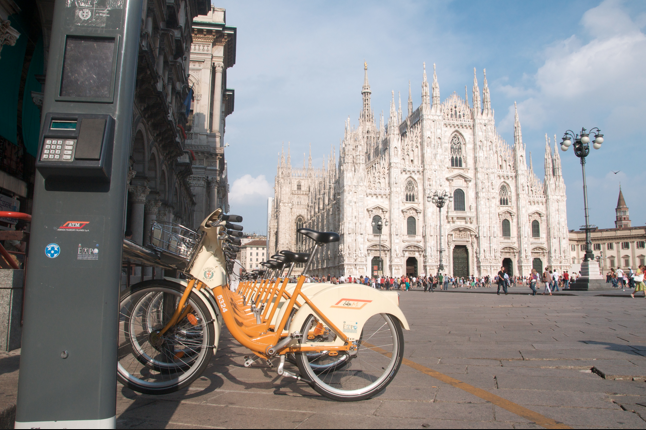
360 374
151 363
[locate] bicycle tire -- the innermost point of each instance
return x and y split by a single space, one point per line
321 381
176 373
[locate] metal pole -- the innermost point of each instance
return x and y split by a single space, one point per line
441 266
380 263
588 239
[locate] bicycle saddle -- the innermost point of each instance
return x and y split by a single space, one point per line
280 258
293 257
318 236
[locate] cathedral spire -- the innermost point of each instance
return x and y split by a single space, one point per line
289 155
426 96
399 112
392 121
466 95
382 126
309 162
518 135
282 155
366 113
557 159
549 169
410 100
531 162
486 97
622 212
476 95
436 91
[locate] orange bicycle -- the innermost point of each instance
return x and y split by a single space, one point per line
345 340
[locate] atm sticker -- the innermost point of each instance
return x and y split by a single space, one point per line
88 253
74 226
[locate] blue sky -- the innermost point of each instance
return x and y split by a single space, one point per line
569 65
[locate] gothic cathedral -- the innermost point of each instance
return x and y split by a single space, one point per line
377 195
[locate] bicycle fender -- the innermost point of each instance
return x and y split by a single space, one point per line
350 306
212 306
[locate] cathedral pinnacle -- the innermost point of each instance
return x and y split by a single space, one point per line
476 95
466 95
309 164
518 135
426 96
549 168
436 90
486 97
410 100
366 113
399 112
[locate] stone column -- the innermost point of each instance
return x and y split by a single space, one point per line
139 194
217 103
213 194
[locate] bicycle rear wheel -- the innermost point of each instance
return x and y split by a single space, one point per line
360 374
159 364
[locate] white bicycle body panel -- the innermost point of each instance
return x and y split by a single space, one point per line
348 306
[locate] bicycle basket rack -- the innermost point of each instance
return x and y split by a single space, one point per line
175 239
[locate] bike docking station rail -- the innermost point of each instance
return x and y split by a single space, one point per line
69 344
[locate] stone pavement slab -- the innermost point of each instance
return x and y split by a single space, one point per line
9 365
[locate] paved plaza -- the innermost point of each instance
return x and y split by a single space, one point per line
472 360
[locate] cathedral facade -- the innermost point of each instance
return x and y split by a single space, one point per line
501 213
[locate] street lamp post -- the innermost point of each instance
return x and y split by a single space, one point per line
440 199
582 150
380 225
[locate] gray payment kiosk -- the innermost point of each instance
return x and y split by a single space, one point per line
69 343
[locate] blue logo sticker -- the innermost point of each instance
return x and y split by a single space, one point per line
52 250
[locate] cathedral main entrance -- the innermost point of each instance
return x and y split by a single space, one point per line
460 261
411 267
377 267
509 266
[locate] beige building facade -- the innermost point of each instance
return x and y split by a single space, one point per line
213 52
621 247
252 253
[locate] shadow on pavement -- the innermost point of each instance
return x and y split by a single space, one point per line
638 351
9 364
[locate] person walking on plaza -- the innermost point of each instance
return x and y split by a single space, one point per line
501 281
533 280
631 278
620 279
555 281
639 281
566 280
546 280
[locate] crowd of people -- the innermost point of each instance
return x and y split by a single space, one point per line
549 280
627 279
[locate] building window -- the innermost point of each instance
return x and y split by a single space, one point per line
573 248
298 186
573 260
411 191
582 247
536 229
625 245
456 151
597 247
611 246
506 228
375 224
626 262
411 225
459 203
505 198
612 262
642 261
641 245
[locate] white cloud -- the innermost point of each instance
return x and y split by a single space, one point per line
247 191
589 77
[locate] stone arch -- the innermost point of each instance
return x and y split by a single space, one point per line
138 154
152 169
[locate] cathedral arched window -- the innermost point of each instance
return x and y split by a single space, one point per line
459 201
300 239
456 151
505 196
411 191
536 229
411 226
506 228
376 228
298 186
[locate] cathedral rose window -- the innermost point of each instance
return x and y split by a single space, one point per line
456 151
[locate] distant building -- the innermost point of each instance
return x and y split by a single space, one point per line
252 253
213 51
621 247
501 214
